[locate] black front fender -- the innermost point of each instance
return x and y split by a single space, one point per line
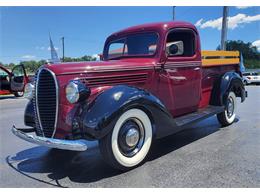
99 117
29 114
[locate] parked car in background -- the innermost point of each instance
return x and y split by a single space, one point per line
251 78
13 82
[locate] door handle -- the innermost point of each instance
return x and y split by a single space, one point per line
196 69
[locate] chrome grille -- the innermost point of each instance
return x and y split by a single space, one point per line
37 125
46 102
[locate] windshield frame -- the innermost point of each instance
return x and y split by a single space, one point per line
112 40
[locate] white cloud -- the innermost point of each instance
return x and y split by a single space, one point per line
257 44
199 22
242 7
233 21
28 57
40 47
96 56
56 48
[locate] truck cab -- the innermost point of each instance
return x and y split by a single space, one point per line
154 81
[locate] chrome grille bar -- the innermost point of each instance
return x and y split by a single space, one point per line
47 102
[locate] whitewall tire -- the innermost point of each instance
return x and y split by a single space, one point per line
228 116
129 142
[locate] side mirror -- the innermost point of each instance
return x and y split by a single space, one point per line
101 57
173 49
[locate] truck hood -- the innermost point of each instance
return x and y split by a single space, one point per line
101 66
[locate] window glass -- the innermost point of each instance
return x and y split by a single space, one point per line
246 74
143 44
182 42
116 48
3 73
18 71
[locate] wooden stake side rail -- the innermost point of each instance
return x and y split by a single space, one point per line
218 58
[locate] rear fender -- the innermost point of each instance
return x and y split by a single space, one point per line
230 81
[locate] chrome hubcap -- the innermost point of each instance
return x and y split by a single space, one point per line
230 107
132 137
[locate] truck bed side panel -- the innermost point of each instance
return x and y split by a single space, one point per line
210 75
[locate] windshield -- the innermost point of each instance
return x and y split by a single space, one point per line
143 44
3 73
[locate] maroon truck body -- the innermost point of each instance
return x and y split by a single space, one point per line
183 87
165 87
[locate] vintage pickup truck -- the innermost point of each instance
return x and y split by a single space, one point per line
153 81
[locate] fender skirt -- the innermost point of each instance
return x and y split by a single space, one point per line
99 117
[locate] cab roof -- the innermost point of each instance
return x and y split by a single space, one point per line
159 27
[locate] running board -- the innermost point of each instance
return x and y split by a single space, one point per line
198 116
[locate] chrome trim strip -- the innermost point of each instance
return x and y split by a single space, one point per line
178 62
180 65
57 100
149 67
110 70
36 101
74 145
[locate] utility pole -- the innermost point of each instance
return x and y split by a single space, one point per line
62 39
224 28
173 13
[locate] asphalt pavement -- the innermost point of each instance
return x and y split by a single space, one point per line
204 155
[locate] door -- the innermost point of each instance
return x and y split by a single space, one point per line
182 72
4 81
18 78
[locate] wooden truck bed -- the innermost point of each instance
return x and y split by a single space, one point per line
219 58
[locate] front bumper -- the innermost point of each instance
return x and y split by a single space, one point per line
74 145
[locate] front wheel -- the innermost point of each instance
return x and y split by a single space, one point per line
228 116
129 143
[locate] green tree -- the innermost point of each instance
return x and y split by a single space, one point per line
250 53
80 59
32 65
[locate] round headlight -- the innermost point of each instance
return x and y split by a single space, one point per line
28 91
76 91
72 92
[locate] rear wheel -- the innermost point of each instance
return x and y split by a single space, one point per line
18 94
228 116
129 143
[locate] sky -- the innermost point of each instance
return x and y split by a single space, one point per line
24 31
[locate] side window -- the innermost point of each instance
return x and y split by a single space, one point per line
3 73
116 49
18 71
180 43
